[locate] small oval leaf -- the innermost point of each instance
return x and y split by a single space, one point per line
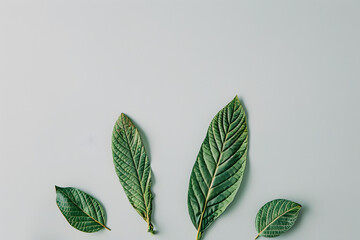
219 167
81 210
132 166
276 217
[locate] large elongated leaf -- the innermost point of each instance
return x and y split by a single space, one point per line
81 210
219 167
276 217
132 166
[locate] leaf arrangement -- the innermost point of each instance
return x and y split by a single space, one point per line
215 179
219 167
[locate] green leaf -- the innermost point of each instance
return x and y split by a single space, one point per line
219 167
132 166
276 217
81 210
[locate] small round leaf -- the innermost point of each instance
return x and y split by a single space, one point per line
276 217
81 210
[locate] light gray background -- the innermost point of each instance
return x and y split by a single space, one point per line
68 68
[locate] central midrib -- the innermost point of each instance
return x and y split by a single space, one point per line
213 178
275 220
137 174
83 210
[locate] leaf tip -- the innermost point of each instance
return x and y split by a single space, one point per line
122 117
298 205
236 99
124 121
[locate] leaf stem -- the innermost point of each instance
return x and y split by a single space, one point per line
151 228
257 236
198 236
107 228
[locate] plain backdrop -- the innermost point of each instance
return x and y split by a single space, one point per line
68 68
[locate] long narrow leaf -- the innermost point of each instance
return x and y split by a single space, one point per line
132 166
